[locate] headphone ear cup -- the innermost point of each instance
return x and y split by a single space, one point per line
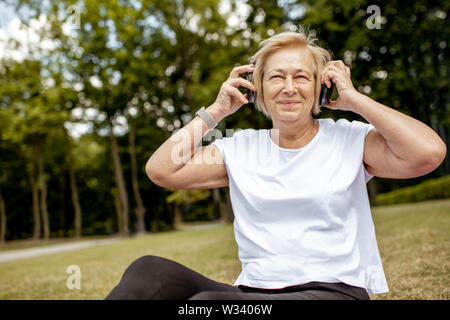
325 94
251 94
322 95
249 76
330 92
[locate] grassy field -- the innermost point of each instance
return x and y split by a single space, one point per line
414 242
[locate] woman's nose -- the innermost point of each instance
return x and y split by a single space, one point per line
289 85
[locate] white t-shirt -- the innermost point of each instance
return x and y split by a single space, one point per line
303 214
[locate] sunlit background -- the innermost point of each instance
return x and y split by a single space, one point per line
90 89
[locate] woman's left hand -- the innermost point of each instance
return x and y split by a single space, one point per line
339 73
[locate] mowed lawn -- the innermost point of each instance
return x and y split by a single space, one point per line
414 242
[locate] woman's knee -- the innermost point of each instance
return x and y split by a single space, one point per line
141 278
146 264
149 260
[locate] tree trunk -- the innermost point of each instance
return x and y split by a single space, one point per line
121 188
120 228
62 206
155 225
2 219
178 217
35 195
372 190
224 215
73 186
43 202
216 201
230 214
223 212
140 209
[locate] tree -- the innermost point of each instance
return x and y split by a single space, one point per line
30 117
133 72
181 198
73 184
2 219
140 209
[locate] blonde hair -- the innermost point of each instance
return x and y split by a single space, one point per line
302 38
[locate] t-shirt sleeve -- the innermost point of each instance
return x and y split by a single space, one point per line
229 146
221 145
362 130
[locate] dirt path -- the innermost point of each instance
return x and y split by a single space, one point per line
54 248
16 254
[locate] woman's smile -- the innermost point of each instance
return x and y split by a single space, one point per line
288 103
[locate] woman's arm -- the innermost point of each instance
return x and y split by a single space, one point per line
399 146
180 163
165 164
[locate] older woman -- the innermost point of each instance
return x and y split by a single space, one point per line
302 219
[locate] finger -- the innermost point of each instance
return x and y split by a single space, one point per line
236 82
334 70
237 71
324 72
347 69
339 64
333 67
323 76
329 67
332 105
328 76
234 92
338 67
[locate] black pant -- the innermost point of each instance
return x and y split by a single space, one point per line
156 278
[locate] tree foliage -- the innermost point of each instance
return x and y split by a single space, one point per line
134 71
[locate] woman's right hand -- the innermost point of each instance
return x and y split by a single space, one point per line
230 99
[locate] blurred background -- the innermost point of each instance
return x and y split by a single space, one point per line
90 89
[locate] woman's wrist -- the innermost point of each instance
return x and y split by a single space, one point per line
215 112
356 101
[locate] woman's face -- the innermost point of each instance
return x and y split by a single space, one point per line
288 84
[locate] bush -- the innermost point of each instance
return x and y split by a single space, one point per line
431 189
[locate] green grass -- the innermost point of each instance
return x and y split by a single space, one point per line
413 239
414 243
212 252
